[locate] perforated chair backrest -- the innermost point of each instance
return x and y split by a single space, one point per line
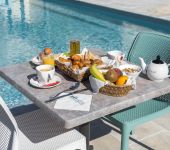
148 46
8 128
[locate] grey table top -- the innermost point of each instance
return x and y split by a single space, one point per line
18 75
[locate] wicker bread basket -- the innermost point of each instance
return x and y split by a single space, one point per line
115 90
70 72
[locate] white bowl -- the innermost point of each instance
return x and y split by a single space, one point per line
95 84
134 74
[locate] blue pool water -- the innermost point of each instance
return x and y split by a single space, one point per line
27 26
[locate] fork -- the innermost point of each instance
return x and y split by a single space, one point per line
73 87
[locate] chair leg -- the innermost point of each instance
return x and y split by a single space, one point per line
125 137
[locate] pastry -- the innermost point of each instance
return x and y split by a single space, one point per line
75 67
81 64
87 63
63 60
97 62
91 55
76 57
75 62
47 51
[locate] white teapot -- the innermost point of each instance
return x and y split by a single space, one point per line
157 70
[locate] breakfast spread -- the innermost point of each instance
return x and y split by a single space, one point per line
106 74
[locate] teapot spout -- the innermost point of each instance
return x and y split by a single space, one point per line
143 65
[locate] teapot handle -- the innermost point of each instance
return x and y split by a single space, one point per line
168 75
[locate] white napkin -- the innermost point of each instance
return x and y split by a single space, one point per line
79 102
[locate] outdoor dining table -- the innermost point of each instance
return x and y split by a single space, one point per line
101 105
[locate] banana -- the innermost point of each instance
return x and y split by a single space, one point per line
96 73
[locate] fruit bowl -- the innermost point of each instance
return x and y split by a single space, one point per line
109 83
131 70
108 88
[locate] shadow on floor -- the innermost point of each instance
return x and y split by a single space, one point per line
99 129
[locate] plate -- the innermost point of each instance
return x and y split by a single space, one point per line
54 82
36 60
107 63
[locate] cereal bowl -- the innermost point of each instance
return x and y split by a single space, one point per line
131 70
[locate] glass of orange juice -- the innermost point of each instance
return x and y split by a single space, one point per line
49 60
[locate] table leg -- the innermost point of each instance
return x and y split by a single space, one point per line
85 130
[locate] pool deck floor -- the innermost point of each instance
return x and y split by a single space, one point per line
153 135
154 8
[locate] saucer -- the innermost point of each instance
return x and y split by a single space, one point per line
36 60
54 82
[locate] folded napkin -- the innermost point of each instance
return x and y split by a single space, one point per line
68 101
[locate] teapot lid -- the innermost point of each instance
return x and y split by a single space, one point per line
158 60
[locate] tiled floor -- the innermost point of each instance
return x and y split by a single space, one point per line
153 135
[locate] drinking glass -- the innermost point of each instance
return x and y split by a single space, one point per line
49 60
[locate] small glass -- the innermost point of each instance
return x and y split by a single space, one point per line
74 47
49 60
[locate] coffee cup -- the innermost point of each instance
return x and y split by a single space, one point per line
45 73
116 55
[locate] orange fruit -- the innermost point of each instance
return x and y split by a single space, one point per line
47 51
122 80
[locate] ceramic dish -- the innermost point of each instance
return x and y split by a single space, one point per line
106 63
36 60
115 54
131 70
54 82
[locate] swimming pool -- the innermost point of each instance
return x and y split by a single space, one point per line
27 26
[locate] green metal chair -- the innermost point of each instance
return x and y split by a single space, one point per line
147 46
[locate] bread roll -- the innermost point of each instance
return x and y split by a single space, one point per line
76 57
75 62
87 62
47 51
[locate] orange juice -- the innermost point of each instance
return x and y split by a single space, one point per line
49 60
